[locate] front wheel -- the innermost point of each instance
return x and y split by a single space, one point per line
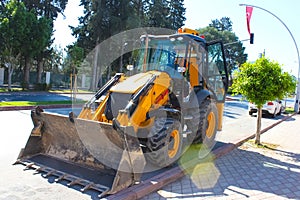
165 142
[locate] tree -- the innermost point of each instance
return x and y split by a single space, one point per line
224 24
158 13
23 36
260 82
36 36
166 14
55 61
12 25
234 50
140 7
104 18
46 8
177 11
74 59
46 12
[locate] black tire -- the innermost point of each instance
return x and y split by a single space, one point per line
274 114
165 142
280 111
204 126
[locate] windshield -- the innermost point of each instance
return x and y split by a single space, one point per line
162 54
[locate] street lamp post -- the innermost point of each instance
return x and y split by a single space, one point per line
296 107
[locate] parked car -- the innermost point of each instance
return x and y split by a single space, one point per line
271 108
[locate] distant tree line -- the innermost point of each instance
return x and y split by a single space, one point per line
26 32
26 29
105 18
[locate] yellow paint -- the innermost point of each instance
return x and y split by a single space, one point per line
98 115
220 107
174 149
147 103
188 31
194 72
211 119
86 113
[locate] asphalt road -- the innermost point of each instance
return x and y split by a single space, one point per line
15 183
41 96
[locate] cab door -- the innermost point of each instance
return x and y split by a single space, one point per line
216 73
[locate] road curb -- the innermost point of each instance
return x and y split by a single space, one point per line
155 183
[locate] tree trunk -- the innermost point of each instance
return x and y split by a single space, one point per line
258 125
10 72
26 73
39 71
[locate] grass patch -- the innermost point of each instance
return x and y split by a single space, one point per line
262 145
289 110
37 103
12 90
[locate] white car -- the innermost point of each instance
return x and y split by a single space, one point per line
271 108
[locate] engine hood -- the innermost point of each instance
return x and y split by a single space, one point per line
133 83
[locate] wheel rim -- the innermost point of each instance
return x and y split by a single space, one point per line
211 124
174 145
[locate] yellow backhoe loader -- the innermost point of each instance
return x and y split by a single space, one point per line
174 97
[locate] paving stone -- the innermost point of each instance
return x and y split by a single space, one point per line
297 194
245 173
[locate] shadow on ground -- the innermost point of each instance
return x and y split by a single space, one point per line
243 174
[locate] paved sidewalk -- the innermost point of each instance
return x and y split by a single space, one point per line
247 172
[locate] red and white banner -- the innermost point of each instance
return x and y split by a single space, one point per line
248 16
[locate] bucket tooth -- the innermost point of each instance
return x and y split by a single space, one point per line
49 173
88 186
40 169
18 161
29 166
60 178
74 182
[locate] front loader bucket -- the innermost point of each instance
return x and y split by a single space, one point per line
84 152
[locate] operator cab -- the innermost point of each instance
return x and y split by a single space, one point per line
186 56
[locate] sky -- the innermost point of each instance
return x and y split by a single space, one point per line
270 35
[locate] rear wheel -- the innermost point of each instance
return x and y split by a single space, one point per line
204 126
165 143
274 114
